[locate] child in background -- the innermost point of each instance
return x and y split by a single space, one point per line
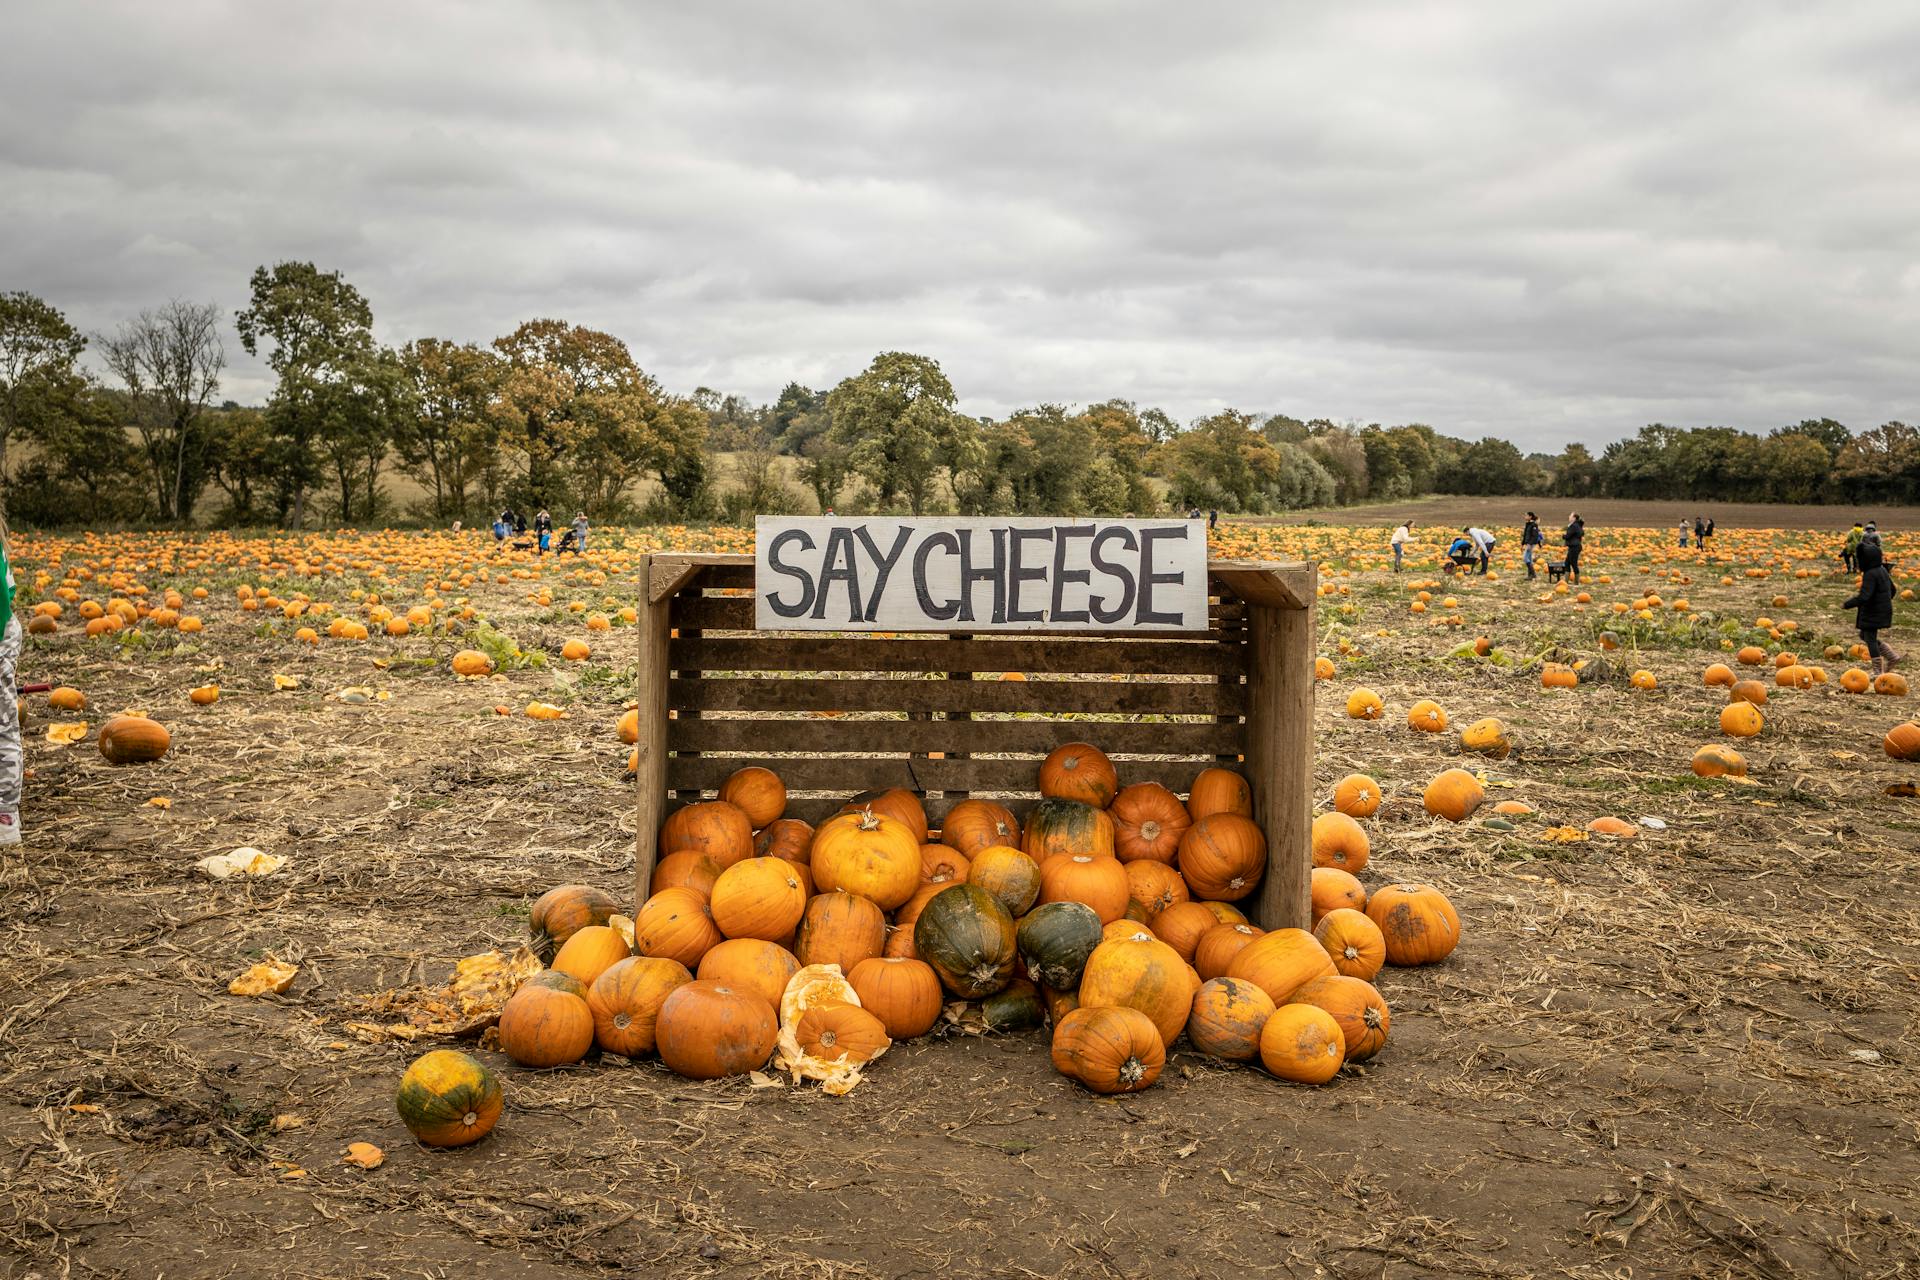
1873 603
11 760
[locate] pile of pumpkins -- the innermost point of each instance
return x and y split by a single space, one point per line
1107 915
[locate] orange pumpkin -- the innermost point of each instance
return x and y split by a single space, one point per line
563 911
1140 972
1148 821
1079 771
1339 841
842 929
1182 925
973 825
686 869
1154 885
714 827
869 854
448 1099
1902 742
1357 795
1891 683
1068 826
132 740
472 662
939 863
1365 704
840 1033
751 964
789 839
1718 675
1109 1050
625 1002
590 952
67 698
1228 1016
903 993
1357 1006
1427 716
758 898
1302 1043
1748 691
1223 856
675 924
1454 794
1007 874
1281 962
1333 889
542 1026
1419 924
898 804
1741 720
707 1030
1218 946
1218 790
1353 941
1854 680
756 792
1714 761
1101 883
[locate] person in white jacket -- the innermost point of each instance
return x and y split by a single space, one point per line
1401 537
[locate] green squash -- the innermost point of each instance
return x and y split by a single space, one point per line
968 938
448 1099
1055 940
1070 827
1018 1008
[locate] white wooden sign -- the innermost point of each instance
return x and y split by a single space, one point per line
1018 573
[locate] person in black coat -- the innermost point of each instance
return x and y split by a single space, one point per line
1574 537
1873 604
1531 537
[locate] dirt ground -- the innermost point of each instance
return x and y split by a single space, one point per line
1687 1054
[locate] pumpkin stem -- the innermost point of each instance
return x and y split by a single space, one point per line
1132 1072
869 821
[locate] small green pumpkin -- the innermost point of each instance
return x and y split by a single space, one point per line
448 1099
1069 827
1055 940
1018 1008
968 938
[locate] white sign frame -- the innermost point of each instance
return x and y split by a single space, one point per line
1039 574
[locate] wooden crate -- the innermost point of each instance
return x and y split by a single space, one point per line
838 714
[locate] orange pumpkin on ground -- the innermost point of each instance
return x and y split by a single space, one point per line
1427 716
448 1099
751 964
973 825
896 803
1281 962
1109 1050
1148 821
842 929
1419 924
1353 941
1228 1016
1333 889
834 1032
1714 761
1218 790
590 952
675 924
707 1030
1154 885
758 898
713 827
1365 704
940 863
786 838
1748 691
132 740
1454 794
1357 796
1101 883
1891 683
1902 742
756 792
625 1002
1223 856
1339 841
1302 1043
67 698
1218 946
869 854
904 994
1079 771
1182 925
1741 720
686 869
1357 1007
1140 972
1854 680
542 1026
563 911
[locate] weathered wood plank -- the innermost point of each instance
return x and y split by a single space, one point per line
735 613
835 653
955 737
650 778
1280 760
842 775
1134 697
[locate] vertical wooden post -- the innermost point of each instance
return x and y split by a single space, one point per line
650 778
1280 757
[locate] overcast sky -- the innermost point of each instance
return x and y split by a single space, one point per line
1545 220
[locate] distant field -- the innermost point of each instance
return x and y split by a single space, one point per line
1600 513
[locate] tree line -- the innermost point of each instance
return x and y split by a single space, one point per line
559 415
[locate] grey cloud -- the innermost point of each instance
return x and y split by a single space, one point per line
1547 221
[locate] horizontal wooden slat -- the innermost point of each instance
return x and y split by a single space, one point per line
735 613
833 653
881 737
807 773
1132 697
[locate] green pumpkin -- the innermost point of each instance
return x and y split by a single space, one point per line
1069 827
448 1099
1018 1008
1055 940
967 936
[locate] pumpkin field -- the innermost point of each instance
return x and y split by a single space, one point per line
295 803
